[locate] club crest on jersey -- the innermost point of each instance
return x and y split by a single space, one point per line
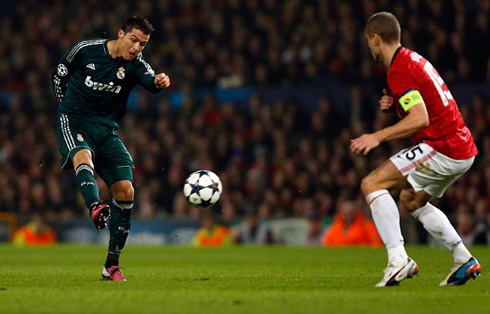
79 137
120 73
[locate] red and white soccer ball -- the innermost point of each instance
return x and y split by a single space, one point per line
202 188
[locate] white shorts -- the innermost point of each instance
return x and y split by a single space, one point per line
428 170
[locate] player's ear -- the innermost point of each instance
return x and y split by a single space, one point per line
120 33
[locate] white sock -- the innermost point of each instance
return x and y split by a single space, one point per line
461 254
439 227
387 220
397 255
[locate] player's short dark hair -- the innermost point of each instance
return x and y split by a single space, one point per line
138 22
385 25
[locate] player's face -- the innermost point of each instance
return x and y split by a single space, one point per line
373 48
132 43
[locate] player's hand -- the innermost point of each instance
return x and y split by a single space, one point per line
162 80
364 144
386 101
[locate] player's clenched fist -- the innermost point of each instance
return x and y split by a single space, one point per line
162 80
386 101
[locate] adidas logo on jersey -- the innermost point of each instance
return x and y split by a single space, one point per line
101 86
91 66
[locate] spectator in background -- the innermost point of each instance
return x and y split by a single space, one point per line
483 232
351 228
36 232
467 227
251 230
212 233
315 229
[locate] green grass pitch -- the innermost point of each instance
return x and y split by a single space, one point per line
66 279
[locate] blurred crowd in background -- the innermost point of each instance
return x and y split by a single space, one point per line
274 157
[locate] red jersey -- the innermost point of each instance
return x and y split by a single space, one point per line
447 132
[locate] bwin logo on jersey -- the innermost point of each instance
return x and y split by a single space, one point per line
101 86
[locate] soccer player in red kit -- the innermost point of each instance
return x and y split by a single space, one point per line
444 150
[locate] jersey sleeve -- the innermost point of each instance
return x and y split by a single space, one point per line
400 83
65 68
145 75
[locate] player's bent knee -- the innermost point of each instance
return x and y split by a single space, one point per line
407 198
83 156
368 185
411 206
418 203
412 201
123 190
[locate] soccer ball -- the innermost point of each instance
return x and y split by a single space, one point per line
203 188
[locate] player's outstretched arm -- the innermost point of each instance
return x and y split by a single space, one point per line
416 119
147 78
